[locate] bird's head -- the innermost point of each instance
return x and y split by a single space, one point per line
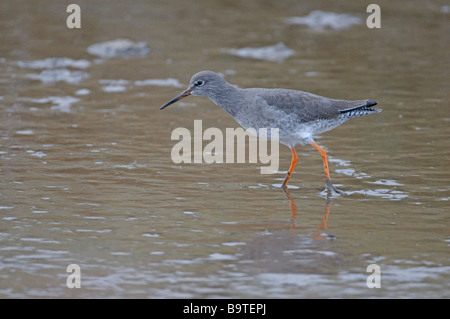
204 83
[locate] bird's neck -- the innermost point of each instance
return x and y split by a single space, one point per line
226 98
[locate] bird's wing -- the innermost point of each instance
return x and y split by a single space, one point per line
307 106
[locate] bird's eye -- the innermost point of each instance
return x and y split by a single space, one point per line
199 83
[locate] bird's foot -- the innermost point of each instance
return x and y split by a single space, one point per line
331 187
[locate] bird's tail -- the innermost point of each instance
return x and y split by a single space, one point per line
360 110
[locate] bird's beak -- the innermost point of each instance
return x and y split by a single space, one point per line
179 97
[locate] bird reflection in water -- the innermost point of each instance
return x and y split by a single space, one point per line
317 234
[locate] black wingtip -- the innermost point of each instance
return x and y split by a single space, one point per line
361 110
371 103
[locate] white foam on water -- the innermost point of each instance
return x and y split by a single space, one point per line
160 82
52 76
54 63
321 20
381 192
218 256
114 88
114 82
38 154
60 103
25 132
387 182
119 48
276 53
83 92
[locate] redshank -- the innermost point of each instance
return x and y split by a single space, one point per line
298 115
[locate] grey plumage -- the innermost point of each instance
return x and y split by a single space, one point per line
298 115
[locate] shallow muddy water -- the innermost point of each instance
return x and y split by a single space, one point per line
85 153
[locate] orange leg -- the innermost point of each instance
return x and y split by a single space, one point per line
292 207
325 167
291 168
324 158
